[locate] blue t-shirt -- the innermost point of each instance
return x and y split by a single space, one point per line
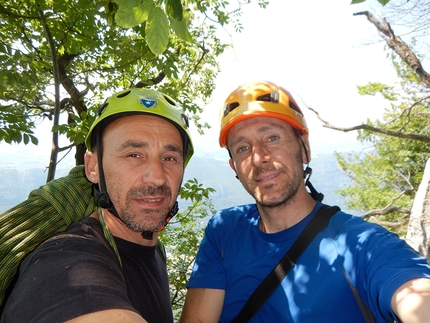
235 255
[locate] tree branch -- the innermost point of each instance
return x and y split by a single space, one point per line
205 51
75 96
397 134
398 46
389 224
389 208
153 81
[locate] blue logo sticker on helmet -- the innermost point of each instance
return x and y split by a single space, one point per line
148 102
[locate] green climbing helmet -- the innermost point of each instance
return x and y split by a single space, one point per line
135 101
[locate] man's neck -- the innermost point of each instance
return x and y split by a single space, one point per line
119 229
276 219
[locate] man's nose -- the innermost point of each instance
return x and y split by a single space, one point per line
260 155
154 172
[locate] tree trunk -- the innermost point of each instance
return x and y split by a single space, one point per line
79 155
418 235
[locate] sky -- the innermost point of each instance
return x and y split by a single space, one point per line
316 49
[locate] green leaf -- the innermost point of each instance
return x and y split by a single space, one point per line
16 136
157 31
181 30
174 9
128 3
357 1
34 140
131 16
75 118
60 50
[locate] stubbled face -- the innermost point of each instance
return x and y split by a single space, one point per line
268 159
144 166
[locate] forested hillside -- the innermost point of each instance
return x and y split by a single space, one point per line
17 181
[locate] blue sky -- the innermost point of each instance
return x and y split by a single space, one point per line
316 49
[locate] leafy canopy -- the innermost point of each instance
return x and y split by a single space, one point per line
60 58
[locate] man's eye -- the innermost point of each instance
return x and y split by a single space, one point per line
242 149
273 138
169 159
134 155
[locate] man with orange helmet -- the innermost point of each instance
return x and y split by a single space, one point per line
107 267
352 270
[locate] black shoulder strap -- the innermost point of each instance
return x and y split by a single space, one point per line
367 314
271 282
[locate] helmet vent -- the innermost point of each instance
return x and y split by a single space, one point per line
169 100
294 107
121 95
230 107
269 97
185 119
264 97
102 108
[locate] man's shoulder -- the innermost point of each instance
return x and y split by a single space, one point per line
87 230
82 242
235 214
352 221
86 226
62 270
353 229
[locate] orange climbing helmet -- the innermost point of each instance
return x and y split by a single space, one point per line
260 99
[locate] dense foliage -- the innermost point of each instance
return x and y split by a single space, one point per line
182 239
59 58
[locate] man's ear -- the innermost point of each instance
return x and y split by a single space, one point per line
231 163
91 167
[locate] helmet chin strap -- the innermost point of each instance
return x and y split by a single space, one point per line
105 202
148 234
307 173
313 192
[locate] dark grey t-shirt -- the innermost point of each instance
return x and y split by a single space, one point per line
71 276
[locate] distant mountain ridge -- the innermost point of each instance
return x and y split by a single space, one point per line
16 182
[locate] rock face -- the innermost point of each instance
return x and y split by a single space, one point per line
418 235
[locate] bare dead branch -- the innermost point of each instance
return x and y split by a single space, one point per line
389 224
407 180
398 46
389 208
386 210
397 134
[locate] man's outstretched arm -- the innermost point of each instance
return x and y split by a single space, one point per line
411 301
203 305
109 316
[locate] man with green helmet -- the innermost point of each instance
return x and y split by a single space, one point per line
351 271
107 267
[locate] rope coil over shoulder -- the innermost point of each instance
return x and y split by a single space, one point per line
50 209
